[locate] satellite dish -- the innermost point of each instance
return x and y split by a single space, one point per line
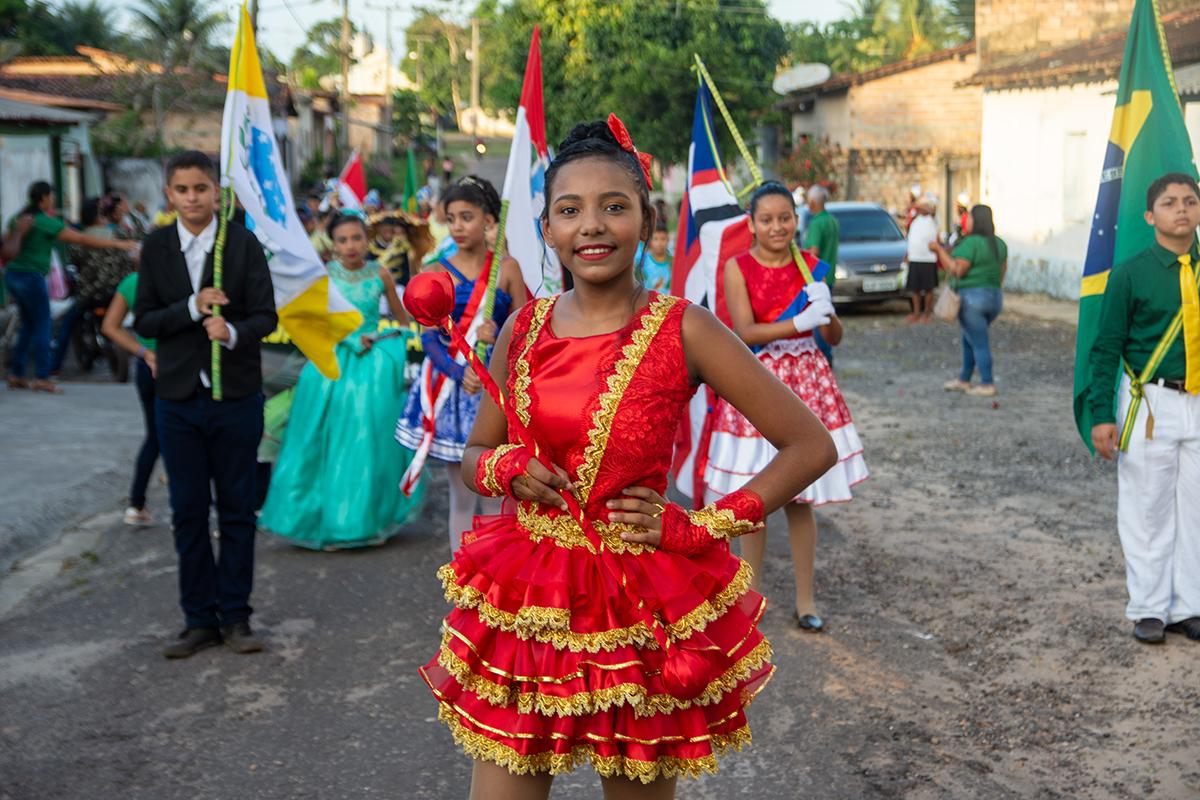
801 76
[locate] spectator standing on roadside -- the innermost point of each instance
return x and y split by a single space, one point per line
25 276
145 368
821 239
922 261
1158 504
976 268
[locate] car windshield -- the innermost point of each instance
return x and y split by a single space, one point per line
867 225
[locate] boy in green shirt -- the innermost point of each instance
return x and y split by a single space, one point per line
1158 474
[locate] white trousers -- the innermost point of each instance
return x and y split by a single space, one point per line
1158 506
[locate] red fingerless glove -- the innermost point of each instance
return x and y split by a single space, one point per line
495 470
692 532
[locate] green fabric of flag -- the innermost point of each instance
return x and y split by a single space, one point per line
411 183
1147 139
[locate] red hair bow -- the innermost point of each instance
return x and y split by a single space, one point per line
626 141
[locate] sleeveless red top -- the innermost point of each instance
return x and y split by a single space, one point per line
770 287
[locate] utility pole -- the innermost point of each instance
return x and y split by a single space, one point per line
254 17
474 63
345 48
387 82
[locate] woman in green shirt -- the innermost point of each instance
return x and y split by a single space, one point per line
25 277
145 370
976 266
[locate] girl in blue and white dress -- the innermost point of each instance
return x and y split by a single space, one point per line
441 406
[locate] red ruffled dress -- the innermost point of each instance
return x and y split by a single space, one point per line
546 661
737 451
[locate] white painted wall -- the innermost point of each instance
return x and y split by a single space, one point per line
1042 151
830 118
23 160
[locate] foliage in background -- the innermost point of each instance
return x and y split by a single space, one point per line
321 53
809 163
634 58
441 70
42 29
881 32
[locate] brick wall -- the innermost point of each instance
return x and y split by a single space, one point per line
884 175
919 108
1009 27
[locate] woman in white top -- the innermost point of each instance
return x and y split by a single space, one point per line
922 261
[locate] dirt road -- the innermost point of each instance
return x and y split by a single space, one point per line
974 592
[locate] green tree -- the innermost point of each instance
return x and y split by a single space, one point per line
179 33
962 15
321 53
905 29
441 68
635 59
85 22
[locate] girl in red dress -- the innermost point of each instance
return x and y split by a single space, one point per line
763 294
615 629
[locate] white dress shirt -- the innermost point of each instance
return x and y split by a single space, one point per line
195 248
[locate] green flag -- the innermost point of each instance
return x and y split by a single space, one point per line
411 183
1148 139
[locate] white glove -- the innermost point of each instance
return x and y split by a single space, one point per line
818 291
814 315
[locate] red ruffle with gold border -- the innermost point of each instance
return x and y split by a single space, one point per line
546 661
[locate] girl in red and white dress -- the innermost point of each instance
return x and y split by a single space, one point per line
773 310
595 622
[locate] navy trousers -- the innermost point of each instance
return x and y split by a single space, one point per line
206 445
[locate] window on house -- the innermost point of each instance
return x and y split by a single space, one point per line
1077 206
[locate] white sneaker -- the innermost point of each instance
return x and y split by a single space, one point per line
138 518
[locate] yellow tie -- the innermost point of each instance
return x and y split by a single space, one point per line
1191 322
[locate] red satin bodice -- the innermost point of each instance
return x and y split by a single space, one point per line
768 286
631 442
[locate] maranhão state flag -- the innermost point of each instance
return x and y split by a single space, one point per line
352 183
1147 139
310 309
712 230
524 191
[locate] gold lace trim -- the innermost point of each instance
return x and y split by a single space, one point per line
618 381
479 746
490 482
520 392
709 610
553 625
581 703
566 532
721 523
548 625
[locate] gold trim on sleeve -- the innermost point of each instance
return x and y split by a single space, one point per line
490 482
721 522
520 392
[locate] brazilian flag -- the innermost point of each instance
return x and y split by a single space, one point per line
411 183
1148 139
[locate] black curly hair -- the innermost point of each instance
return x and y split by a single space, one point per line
346 218
596 140
475 190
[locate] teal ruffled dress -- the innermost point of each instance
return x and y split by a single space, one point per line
336 483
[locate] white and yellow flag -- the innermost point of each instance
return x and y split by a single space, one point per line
310 308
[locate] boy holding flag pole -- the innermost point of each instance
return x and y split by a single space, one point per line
1137 360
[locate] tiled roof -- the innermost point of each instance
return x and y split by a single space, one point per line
1096 60
844 80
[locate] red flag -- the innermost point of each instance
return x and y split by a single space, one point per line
352 183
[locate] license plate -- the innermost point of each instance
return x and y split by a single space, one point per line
879 284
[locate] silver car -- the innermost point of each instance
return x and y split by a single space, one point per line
872 254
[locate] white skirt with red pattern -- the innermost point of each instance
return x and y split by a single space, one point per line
737 451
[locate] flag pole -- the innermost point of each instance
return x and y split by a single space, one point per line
489 299
224 212
755 173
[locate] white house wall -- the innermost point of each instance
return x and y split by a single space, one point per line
829 119
1042 151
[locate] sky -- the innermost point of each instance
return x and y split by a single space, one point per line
282 23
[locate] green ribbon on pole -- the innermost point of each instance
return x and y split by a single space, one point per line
755 173
223 216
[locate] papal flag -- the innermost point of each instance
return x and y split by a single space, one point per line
1147 139
311 310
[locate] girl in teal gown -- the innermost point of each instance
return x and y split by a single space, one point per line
336 483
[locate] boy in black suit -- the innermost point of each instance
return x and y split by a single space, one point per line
205 442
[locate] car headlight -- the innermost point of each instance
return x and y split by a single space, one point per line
841 273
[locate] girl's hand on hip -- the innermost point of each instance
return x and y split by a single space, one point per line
642 507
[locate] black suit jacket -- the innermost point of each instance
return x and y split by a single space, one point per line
161 312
